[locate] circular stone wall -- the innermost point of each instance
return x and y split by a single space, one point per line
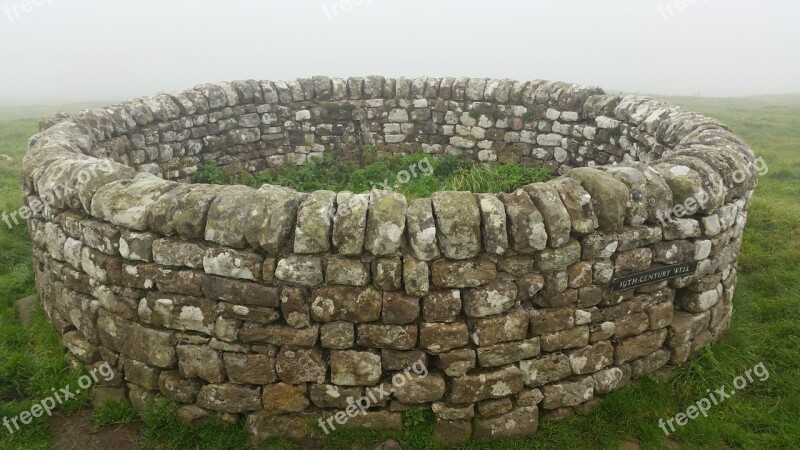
284 306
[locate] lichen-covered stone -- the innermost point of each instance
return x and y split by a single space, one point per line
493 298
512 326
456 363
240 292
387 273
545 369
332 396
229 398
232 263
462 274
153 347
281 335
441 306
169 252
609 196
201 361
250 369
281 398
578 204
493 224
272 218
458 224
337 335
638 346
402 359
353 368
387 336
227 216
421 388
526 230
352 304
300 269
591 358
177 388
416 277
302 365
507 353
399 308
349 223
442 337
636 208
422 230
179 312
487 384
350 272
558 258
567 393
127 203
312 233
555 216
386 222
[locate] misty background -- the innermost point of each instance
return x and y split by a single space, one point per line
58 51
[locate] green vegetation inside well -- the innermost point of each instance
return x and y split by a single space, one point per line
416 175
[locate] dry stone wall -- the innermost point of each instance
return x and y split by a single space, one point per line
276 305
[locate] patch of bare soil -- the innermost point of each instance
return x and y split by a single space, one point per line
76 432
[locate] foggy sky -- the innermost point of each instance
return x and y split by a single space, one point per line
85 50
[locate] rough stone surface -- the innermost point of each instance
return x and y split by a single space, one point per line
457 224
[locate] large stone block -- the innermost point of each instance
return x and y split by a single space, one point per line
230 398
442 337
545 369
511 326
312 232
153 347
493 298
297 366
386 222
422 230
201 361
458 224
526 230
179 312
638 346
387 336
568 393
352 368
357 305
350 222
555 216
609 196
496 383
280 335
507 353
493 224
462 274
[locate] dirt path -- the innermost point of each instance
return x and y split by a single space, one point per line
76 432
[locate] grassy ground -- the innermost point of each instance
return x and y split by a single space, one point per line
765 329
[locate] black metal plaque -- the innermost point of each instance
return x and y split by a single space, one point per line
653 276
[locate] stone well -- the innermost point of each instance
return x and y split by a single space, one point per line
284 307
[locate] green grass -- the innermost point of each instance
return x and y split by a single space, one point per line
765 328
416 175
31 359
114 413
